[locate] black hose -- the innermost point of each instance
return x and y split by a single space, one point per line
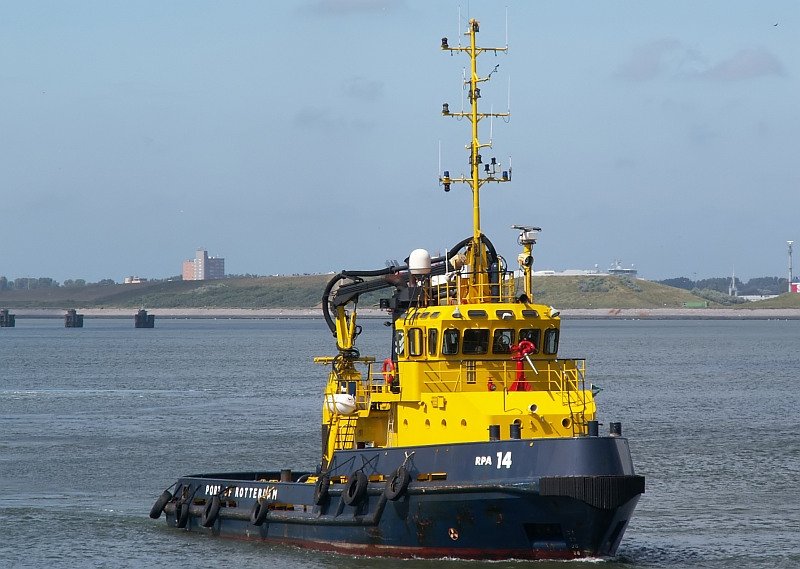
489 246
326 312
394 270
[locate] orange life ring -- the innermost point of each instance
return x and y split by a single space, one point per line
388 370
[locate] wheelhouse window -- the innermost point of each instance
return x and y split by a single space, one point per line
415 342
450 342
502 340
433 336
551 341
399 343
533 335
476 341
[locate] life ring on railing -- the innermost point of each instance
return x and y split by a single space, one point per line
356 489
397 484
388 370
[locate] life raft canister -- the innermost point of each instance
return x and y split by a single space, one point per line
388 370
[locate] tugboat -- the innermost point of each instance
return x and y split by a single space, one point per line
472 439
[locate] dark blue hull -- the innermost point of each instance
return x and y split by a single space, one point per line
523 499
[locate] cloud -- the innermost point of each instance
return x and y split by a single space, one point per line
746 64
363 89
671 59
324 120
649 61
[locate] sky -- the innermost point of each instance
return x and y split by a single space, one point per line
304 136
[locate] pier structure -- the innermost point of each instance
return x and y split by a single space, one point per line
72 319
144 320
7 320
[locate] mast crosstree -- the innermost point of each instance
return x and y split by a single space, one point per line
492 171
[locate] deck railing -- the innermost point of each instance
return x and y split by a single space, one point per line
562 375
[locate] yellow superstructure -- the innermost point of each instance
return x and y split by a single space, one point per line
474 357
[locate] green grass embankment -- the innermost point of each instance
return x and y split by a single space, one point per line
306 292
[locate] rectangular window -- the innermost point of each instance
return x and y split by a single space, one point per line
399 343
450 342
476 341
502 340
551 341
415 342
533 335
433 335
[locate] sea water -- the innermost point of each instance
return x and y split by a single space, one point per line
96 422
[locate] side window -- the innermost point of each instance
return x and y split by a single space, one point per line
399 343
502 340
450 342
415 342
551 341
533 335
433 340
476 341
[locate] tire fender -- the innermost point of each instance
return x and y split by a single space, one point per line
158 507
397 484
181 514
211 512
258 514
321 489
356 488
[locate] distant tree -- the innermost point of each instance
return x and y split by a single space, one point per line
716 296
74 283
719 284
593 284
765 286
105 282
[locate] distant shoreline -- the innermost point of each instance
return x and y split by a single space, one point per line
566 314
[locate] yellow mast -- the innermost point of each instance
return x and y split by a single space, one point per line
475 181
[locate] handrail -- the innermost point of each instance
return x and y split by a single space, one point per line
561 375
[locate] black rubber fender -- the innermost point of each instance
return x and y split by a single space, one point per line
181 514
397 484
258 513
211 512
356 488
321 489
158 507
